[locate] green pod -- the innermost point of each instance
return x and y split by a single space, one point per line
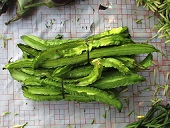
42 97
36 44
59 44
46 81
127 61
77 50
115 63
113 31
37 97
29 50
59 71
114 40
45 55
129 49
147 62
78 72
44 90
24 63
117 80
97 94
19 75
94 75
38 72
58 52
32 82
75 60
26 56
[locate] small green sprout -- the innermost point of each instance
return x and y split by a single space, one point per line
20 126
4 40
92 121
148 17
139 21
130 113
16 114
5 113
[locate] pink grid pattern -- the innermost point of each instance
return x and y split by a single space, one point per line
79 19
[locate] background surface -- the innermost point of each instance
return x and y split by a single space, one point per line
78 19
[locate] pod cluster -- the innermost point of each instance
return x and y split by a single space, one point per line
83 70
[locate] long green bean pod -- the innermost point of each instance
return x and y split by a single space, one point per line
67 97
40 44
115 63
97 94
45 81
118 80
45 55
59 71
147 62
113 31
20 64
38 72
114 40
19 75
94 75
128 61
38 97
78 72
129 49
29 50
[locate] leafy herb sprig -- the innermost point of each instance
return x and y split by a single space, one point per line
162 7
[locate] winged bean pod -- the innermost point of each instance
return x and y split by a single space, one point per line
98 95
129 49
